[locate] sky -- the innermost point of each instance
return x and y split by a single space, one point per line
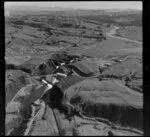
84 5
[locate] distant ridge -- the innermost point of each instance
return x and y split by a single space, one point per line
39 10
46 8
36 8
121 10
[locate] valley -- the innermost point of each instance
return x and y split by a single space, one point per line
74 73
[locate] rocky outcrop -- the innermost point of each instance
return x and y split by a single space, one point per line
81 70
15 83
107 100
18 110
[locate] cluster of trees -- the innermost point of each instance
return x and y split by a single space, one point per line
111 76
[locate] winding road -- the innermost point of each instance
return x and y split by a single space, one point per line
113 32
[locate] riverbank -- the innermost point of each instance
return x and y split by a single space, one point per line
131 32
114 34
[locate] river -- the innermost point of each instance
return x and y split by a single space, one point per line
113 32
